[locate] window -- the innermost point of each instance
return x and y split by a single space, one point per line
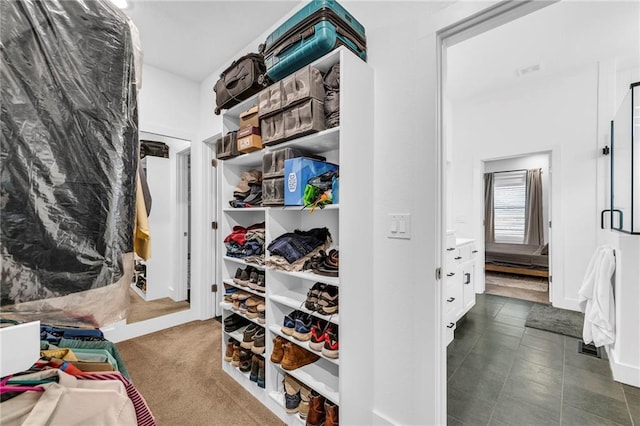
509 195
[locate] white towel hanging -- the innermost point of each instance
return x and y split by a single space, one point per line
596 298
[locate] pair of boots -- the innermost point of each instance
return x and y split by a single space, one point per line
289 355
321 411
296 396
257 370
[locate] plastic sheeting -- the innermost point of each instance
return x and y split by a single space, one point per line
69 156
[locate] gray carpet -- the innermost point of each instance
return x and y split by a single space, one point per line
555 320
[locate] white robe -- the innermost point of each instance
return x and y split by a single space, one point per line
596 299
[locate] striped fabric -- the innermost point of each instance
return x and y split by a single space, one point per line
143 413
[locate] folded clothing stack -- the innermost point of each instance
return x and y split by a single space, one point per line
290 251
248 193
246 242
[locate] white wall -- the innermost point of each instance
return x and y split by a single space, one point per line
556 114
168 104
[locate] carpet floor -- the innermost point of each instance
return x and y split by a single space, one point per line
178 372
533 289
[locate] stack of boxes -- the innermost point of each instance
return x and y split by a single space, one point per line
249 138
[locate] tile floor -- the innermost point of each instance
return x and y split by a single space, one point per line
501 373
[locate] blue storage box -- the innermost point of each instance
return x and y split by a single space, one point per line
297 172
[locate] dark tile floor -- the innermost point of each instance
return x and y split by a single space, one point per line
502 373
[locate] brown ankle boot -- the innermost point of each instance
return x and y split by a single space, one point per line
331 411
295 357
316 414
278 351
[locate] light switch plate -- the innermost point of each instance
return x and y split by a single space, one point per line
399 226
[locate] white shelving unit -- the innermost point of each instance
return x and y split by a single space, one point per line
350 224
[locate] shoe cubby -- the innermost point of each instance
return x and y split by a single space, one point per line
290 292
341 380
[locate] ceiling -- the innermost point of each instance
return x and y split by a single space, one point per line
555 39
194 38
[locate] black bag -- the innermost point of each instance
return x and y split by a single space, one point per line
244 78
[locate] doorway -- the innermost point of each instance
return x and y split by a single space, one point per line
498 369
516 209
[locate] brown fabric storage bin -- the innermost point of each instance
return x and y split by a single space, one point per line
249 118
304 118
270 100
273 192
227 147
249 139
303 84
273 162
272 129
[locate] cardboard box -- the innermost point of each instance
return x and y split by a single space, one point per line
297 171
249 139
249 118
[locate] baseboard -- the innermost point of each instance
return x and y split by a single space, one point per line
623 373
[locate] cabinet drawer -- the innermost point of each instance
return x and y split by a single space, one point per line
447 334
452 258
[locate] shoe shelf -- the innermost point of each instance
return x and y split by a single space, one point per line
228 307
230 282
278 397
310 276
350 224
305 345
242 262
293 303
315 143
235 334
244 380
245 210
317 378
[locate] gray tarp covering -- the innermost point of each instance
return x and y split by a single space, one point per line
69 147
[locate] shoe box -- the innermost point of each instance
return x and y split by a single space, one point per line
297 171
249 139
273 173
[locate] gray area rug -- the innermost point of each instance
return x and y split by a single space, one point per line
556 320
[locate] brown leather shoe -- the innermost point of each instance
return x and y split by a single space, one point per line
331 411
316 414
296 357
228 355
235 358
278 351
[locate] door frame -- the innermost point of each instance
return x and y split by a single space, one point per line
182 224
483 21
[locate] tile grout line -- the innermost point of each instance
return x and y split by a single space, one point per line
626 401
564 360
493 410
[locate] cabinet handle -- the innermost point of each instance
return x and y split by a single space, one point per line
450 274
451 249
474 251
451 299
451 325
457 258
467 278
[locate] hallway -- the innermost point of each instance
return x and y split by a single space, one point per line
501 373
